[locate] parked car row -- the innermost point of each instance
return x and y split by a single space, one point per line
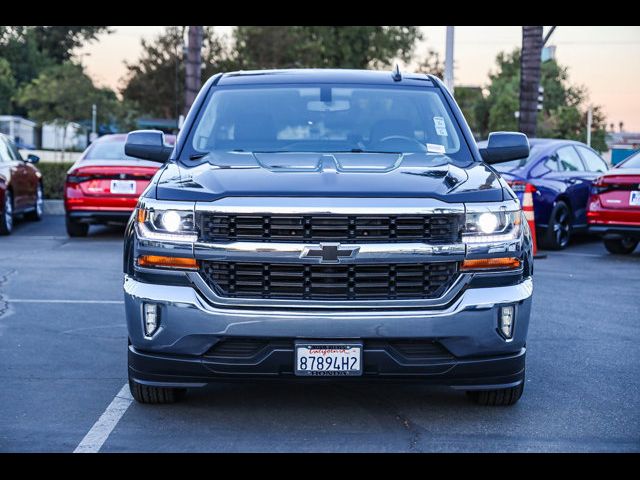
573 190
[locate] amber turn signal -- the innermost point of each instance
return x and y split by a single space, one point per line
490 263
157 261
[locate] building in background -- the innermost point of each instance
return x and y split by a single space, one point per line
55 138
20 130
622 145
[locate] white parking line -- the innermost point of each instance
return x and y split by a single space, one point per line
95 438
38 300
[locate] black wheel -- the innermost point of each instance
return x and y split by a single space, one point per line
155 395
621 246
558 232
502 397
36 213
76 229
6 214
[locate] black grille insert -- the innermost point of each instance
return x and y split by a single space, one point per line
329 282
330 228
249 347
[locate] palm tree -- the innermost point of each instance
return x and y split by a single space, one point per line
532 42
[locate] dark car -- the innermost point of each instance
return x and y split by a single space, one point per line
103 186
560 174
327 224
614 206
20 186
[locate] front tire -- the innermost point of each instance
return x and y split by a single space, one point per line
558 232
76 229
154 395
502 397
6 214
621 246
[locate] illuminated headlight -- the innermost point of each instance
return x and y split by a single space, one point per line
171 221
491 226
170 224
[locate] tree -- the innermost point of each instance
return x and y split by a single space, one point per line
64 93
7 86
564 106
30 50
155 83
58 42
19 48
259 47
432 64
530 78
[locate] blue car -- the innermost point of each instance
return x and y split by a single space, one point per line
559 174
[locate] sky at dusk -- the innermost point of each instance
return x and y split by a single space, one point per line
606 60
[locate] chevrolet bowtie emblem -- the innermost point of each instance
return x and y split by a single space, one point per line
329 252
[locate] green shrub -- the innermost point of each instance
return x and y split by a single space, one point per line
53 176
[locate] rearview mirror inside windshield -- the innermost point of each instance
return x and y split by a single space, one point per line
334 106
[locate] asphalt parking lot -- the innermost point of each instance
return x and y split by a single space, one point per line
63 364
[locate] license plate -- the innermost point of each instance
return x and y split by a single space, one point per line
123 186
328 359
634 198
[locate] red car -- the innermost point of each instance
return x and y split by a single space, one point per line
20 186
103 186
614 206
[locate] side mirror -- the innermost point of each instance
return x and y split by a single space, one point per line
31 158
147 145
505 146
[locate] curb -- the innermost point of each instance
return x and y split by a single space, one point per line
54 207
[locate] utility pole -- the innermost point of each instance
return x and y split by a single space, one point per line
193 66
448 60
530 79
589 121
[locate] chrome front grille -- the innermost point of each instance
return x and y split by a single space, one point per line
432 229
297 281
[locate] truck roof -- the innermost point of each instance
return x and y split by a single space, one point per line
320 75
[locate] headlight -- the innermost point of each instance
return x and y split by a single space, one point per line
170 224
486 224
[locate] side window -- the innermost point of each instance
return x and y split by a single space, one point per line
569 160
592 160
13 150
5 156
552 163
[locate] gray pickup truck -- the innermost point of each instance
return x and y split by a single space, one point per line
327 225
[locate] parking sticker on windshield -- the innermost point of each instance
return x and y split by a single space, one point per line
435 148
441 128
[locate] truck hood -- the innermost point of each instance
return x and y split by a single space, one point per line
328 175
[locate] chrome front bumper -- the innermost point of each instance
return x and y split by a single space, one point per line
190 325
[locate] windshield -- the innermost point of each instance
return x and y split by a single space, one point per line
111 150
631 162
327 118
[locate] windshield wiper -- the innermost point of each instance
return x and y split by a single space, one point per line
360 150
353 150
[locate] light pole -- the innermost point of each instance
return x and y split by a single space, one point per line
94 114
589 122
448 60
